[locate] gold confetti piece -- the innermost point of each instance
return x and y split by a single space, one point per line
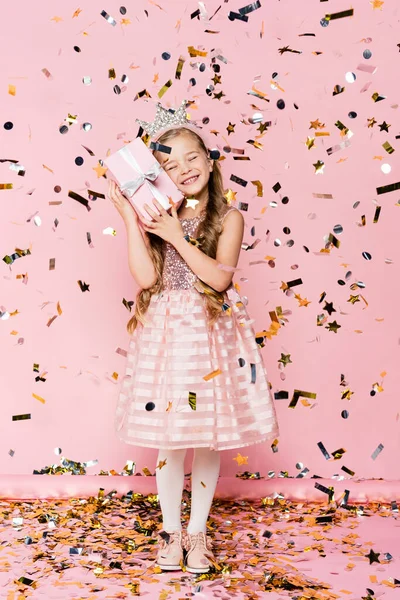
146 472
161 464
340 15
6 186
212 375
12 90
179 67
241 460
164 88
203 484
298 394
42 400
194 52
259 187
192 400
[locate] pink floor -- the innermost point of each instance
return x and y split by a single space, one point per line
101 546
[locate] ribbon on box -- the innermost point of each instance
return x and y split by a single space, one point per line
132 186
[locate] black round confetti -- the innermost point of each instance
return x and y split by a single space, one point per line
367 54
285 200
296 107
274 75
345 414
338 229
352 114
63 129
150 406
206 120
290 243
87 126
8 125
122 10
367 256
202 68
79 161
242 362
77 49
286 230
227 149
372 393
216 68
280 104
192 81
324 22
341 282
166 55
57 189
208 92
306 249
215 154
117 89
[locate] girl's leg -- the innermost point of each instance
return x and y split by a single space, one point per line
170 480
205 470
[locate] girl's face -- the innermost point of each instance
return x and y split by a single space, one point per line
188 166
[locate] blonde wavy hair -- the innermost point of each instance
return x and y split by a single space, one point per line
213 300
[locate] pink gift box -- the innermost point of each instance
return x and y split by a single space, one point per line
141 178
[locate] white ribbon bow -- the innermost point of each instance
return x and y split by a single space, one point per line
132 186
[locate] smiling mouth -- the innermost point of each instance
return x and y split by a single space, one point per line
190 180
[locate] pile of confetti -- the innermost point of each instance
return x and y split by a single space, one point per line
105 547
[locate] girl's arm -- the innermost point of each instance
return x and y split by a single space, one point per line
139 259
228 250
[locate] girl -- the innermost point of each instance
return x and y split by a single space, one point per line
195 377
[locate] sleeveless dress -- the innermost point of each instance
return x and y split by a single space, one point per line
186 385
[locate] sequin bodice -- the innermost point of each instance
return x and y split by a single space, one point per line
177 275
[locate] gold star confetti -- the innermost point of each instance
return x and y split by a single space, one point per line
230 195
310 142
100 170
161 464
231 128
354 299
241 460
333 326
319 167
284 359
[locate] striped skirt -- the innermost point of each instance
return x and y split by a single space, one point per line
189 386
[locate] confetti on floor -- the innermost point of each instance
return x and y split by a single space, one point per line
104 547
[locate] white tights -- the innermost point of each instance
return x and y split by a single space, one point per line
170 481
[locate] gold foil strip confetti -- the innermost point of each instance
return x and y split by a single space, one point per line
194 52
259 186
179 67
79 199
42 400
300 394
21 417
164 88
50 321
385 189
238 180
12 90
324 196
192 400
52 264
340 15
389 149
6 186
212 375
146 472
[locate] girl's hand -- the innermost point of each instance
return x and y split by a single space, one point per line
122 204
166 226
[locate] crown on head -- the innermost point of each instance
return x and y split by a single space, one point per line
165 119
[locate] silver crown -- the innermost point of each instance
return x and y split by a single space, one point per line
165 119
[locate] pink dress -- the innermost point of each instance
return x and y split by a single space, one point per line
164 401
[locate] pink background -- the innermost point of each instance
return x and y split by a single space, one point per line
77 353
